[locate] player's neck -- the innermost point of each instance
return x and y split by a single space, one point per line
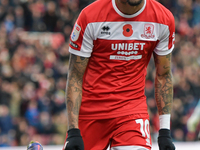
127 9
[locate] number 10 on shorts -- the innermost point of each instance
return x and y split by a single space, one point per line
144 129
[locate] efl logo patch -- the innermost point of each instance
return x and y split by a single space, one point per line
148 31
76 32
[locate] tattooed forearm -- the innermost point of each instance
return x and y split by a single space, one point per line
169 57
74 88
163 85
164 93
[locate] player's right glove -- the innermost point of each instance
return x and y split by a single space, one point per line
165 140
74 140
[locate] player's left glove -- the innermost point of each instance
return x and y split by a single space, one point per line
165 140
74 140
34 146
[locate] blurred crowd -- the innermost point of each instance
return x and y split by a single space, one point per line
34 37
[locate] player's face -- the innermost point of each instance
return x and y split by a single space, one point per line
134 2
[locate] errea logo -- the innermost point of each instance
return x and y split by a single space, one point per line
105 30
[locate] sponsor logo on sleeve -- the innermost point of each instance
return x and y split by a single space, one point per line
76 32
173 38
73 44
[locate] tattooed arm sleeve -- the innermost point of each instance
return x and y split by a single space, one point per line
77 66
163 84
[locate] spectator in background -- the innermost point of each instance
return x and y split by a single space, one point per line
37 10
5 93
45 125
50 16
32 114
5 120
9 22
196 12
19 17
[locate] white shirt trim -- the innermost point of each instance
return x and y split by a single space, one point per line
128 16
79 53
164 52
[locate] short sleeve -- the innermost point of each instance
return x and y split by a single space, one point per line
167 38
81 42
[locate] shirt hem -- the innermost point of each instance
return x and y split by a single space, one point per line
109 116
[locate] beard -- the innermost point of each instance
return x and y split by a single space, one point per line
135 3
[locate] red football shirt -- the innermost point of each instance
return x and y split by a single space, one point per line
120 47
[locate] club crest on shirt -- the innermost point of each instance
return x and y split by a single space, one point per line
76 32
148 31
